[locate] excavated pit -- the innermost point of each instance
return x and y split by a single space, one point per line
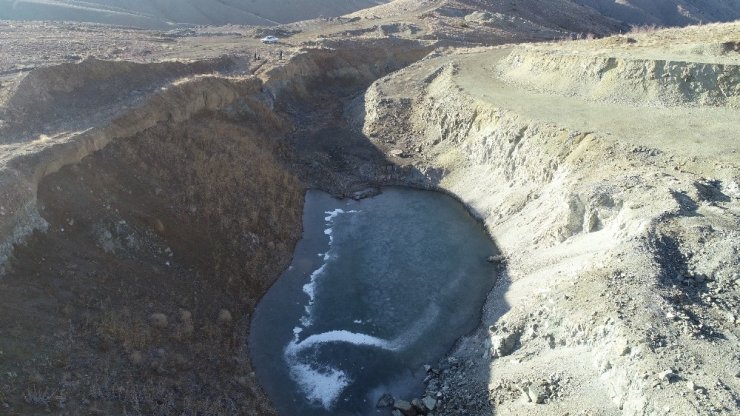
144 247
144 242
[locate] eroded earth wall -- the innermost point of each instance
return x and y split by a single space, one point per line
621 259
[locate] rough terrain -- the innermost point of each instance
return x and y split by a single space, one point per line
151 188
618 219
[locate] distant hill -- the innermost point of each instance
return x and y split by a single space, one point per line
666 12
567 13
162 14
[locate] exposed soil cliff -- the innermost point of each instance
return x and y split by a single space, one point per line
687 71
621 250
139 246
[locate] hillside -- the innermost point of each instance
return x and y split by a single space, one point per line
666 12
565 14
161 14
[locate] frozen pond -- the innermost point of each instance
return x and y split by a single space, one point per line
377 288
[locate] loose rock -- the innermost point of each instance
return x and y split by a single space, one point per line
503 344
667 376
385 400
406 408
429 403
158 320
224 317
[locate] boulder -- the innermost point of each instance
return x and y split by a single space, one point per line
503 343
536 394
385 400
406 408
429 403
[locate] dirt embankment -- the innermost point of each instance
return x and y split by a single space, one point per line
624 79
138 248
49 97
697 66
621 267
137 296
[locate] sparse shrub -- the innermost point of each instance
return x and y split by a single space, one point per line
136 358
36 396
224 317
158 320
186 316
644 28
128 334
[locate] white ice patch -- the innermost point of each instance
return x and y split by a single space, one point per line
310 287
330 215
324 384
320 385
340 336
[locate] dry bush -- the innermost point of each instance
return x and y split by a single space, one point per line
37 396
123 331
644 28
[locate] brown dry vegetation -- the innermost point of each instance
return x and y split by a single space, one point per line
119 223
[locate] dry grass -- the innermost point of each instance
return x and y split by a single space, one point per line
644 29
124 331
214 217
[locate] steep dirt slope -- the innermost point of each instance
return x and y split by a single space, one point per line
619 224
581 16
139 291
139 246
698 66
